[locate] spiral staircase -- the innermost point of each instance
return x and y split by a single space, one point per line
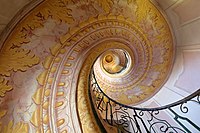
124 66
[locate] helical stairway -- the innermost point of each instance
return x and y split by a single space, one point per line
71 66
130 119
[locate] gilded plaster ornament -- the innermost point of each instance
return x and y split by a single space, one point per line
19 127
59 55
16 59
2 114
4 87
65 75
105 4
12 60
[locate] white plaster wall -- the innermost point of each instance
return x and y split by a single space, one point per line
184 16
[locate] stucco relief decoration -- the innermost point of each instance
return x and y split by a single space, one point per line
46 59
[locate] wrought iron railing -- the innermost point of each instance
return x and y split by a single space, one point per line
179 117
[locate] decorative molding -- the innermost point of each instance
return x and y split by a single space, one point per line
64 75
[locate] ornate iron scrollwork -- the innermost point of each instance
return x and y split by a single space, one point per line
172 118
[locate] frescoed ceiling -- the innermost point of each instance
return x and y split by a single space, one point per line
46 58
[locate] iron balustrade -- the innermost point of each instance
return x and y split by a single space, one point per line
182 116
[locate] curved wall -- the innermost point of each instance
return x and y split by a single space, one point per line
184 18
19 114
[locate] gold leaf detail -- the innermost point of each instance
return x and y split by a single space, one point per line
47 92
57 10
41 78
4 88
46 119
143 7
45 105
16 59
58 104
37 96
20 127
130 1
55 49
60 122
2 113
105 4
35 117
47 62
65 131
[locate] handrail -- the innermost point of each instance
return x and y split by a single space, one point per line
138 120
184 100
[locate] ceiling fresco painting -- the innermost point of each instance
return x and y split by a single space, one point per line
45 62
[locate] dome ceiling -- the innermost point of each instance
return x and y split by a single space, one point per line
58 42
115 61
